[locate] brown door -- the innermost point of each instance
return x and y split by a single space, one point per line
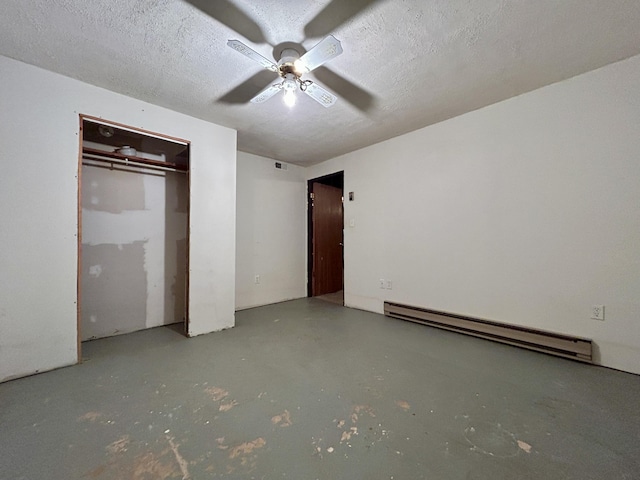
327 220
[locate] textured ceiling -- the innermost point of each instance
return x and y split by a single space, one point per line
406 63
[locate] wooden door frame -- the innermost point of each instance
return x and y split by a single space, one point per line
326 180
90 118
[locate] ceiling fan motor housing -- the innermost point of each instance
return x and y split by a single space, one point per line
287 63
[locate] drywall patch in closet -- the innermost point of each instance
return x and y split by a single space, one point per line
114 290
134 217
112 190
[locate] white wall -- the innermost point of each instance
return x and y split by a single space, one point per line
270 232
525 212
38 197
134 249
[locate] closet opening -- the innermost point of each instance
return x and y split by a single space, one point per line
133 217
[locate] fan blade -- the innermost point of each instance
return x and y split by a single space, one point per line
267 93
320 95
248 89
228 14
333 15
355 95
252 54
327 49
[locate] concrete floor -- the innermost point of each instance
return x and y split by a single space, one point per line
335 297
310 390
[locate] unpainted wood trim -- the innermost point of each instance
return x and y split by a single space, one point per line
79 246
187 319
133 129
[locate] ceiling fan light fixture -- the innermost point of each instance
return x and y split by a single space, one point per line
106 131
289 98
289 86
299 67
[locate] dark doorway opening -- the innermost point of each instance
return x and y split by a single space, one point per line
325 259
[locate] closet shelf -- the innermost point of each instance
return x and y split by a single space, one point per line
146 161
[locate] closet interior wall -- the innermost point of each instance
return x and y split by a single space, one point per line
134 247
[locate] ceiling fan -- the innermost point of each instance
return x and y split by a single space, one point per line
291 67
330 18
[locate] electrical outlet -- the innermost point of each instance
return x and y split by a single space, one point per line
257 280
388 285
382 283
597 312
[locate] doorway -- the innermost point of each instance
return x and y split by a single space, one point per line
133 215
326 238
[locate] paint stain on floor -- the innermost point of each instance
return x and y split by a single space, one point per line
96 472
90 417
140 461
240 458
225 407
347 434
362 410
182 463
144 466
359 413
216 393
119 446
491 439
282 420
221 445
151 465
403 405
243 457
247 448
524 446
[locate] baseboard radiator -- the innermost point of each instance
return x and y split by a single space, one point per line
576 348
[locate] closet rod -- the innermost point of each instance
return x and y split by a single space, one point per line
130 158
128 163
